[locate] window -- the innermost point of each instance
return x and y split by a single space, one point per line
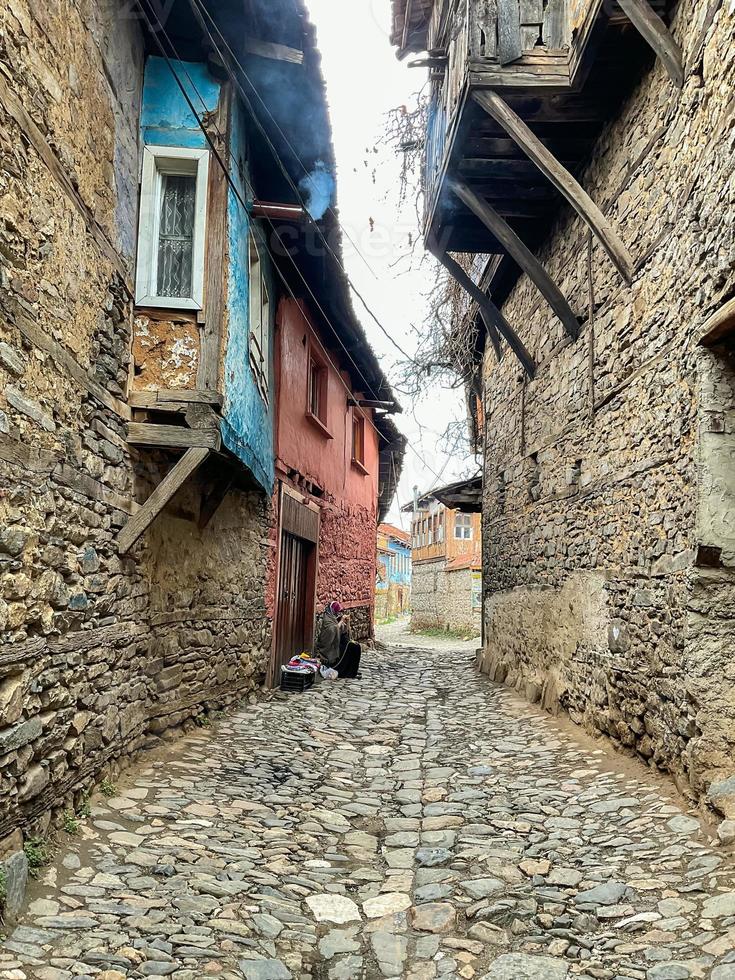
316 406
259 321
440 531
358 439
463 526
172 230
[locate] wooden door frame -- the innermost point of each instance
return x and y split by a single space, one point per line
312 576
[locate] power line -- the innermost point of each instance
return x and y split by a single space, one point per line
244 205
284 170
236 190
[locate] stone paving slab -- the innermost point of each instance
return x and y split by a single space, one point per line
418 823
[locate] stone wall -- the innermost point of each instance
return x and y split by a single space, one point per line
596 471
442 599
99 653
347 562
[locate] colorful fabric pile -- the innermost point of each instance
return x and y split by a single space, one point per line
303 664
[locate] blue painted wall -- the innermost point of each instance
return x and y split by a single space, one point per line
247 426
393 575
167 120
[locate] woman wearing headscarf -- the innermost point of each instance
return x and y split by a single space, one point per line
333 646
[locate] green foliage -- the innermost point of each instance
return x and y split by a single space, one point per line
84 809
70 823
107 788
38 853
203 721
3 891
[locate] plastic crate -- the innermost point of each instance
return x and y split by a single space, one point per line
296 681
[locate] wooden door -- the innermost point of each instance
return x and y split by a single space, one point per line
294 602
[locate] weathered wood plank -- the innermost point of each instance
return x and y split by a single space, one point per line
483 28
720 325
182 396
509 31
172 436
525 258
565 183
486 305
172 482
216 255
650 26
268 49
555 31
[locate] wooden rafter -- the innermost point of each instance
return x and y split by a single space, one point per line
650 26
486 306
560 177
173 481
525 258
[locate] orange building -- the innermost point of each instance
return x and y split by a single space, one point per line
446 547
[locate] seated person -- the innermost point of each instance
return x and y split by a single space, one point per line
333 646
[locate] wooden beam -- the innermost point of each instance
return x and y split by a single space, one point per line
268 49
486 305
214 499
525 258
719 325
172 482
216 251
492 334
172 436
560 178
406 24
150 399
650 26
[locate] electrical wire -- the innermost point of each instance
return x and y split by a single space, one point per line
200 6
245 207
236 190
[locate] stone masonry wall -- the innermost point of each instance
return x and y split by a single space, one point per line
347 563
99 653
593 602
442 599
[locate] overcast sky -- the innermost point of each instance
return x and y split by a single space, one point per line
364 81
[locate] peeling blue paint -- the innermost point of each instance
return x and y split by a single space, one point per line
247 428
166 119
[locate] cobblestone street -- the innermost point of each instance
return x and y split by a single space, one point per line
420 822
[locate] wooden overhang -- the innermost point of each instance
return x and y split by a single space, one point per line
464 495
519 99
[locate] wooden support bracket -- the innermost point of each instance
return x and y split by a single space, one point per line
561 178
214 499
172 482
493 314
650 26
525 258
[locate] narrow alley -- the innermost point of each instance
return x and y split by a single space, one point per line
421 822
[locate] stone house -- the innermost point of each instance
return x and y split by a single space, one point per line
142 268
446 566
393 578
582 158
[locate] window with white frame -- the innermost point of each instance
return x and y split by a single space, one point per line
172 228
259 320
463 526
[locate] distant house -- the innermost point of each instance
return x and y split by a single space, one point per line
446 566
393 579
